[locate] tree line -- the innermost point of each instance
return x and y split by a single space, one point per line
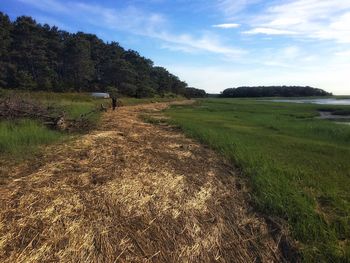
273 91
195 93
40 57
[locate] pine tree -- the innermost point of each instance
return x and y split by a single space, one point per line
78 66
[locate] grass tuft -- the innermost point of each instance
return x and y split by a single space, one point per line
22 137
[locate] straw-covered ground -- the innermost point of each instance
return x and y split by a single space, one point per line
131 192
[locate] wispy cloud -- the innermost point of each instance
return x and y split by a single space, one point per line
139 22
290 56
343 54
231 7
227 25
207 42
48 5
269 31
318 19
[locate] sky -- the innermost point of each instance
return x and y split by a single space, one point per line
218 44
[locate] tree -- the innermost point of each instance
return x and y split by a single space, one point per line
54 53
5 42
78 67
195 93
273 91
112 91
28 52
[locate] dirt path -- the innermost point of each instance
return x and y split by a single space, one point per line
131 192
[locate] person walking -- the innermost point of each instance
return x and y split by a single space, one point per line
113 93
114 102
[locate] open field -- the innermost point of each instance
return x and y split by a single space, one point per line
297 166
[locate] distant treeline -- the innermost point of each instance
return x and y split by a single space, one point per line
273 91
195 93
40 57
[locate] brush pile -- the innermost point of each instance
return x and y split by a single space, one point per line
17 107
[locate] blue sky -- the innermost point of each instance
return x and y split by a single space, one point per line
217 44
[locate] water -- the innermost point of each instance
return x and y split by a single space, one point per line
317 101
342 123
324 115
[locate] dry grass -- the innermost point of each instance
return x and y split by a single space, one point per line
131 192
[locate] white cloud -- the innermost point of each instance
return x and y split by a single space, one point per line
182 48
344 53
269 31
292 57
318 19
207 42
291 52
227 25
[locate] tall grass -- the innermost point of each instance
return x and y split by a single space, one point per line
298 166
23 137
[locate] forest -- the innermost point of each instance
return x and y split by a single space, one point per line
37 57
273 91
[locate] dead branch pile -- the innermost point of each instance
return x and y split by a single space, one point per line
16 107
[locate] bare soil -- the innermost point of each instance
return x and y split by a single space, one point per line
131 192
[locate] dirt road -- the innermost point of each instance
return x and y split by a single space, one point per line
131 192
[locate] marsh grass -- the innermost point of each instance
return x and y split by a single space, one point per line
298 166
135 101
22 137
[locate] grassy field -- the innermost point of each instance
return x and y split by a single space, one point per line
136 101
298 166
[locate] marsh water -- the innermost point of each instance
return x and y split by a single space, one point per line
344 119
327 101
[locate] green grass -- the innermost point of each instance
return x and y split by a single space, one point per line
135 101
22 137
298 166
